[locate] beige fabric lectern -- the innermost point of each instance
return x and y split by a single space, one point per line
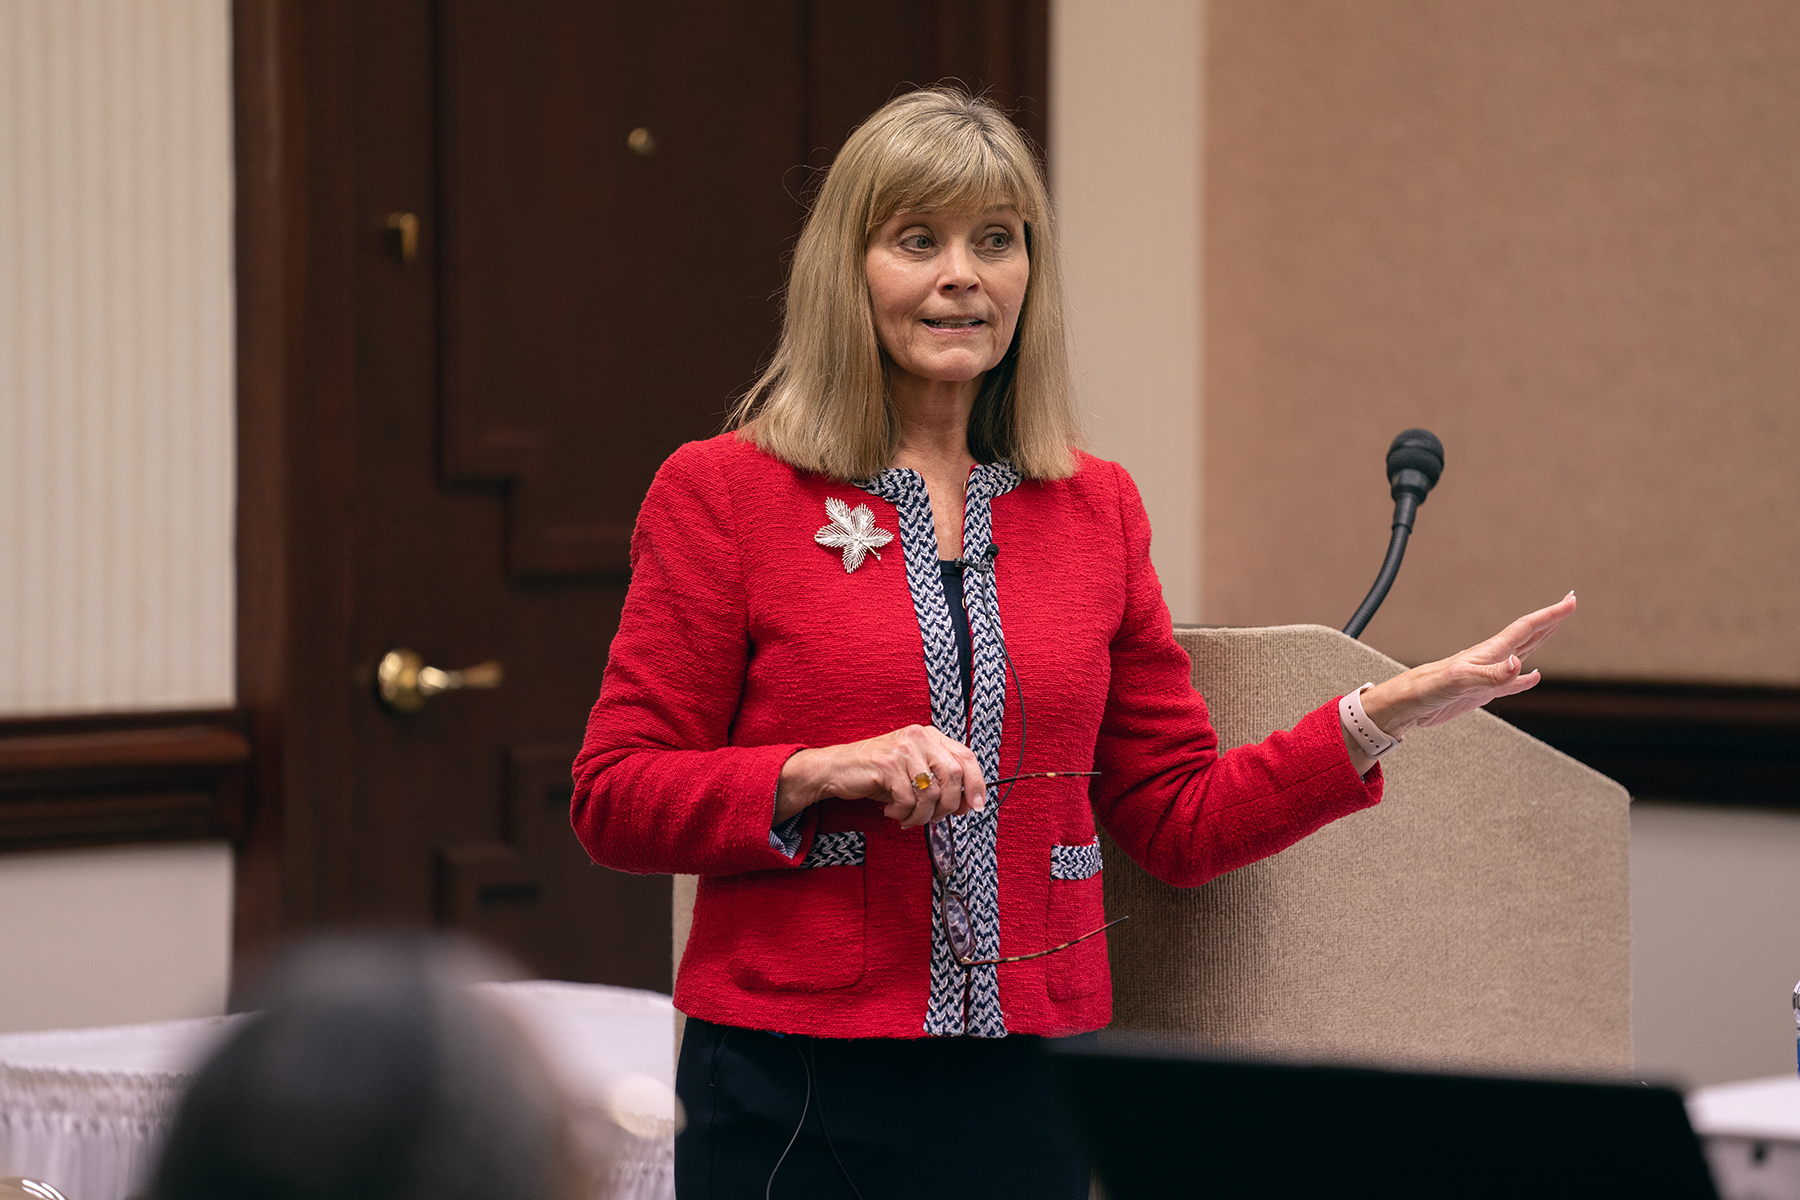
1478 917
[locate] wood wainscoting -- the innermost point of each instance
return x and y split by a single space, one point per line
111 778
1703 743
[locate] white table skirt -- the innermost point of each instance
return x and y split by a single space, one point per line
1751 1131
85 1109
613 1051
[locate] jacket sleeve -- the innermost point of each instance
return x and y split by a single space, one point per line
658 786
1183 811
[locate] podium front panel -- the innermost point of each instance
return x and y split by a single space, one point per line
1478 917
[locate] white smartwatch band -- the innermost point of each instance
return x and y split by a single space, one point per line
1363 731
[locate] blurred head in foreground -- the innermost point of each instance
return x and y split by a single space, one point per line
370 1071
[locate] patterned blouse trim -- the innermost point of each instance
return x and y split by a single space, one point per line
785 837
843 849
977 870
1075 862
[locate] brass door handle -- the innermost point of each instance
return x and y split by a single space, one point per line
405 683
403 236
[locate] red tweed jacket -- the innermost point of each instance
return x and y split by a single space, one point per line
744 640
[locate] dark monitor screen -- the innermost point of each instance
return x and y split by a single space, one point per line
1166 1125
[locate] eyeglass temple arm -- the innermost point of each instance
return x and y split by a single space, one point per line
1013 958
1040 775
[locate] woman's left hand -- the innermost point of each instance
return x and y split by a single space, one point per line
1444 690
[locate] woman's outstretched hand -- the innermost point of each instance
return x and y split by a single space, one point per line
885 769
1444 690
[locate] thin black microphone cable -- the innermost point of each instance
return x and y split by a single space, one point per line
813 1065
808 1068
769 1187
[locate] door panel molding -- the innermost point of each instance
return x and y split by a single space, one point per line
601 908
565 252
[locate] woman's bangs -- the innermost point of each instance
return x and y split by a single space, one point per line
950 174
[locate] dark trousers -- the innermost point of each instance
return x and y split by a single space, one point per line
883 1118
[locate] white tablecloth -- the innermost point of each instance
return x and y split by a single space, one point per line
1751 1132
613 1051
85 1109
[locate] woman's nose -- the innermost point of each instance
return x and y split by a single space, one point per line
958 271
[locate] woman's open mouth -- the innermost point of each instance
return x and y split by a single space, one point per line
954 322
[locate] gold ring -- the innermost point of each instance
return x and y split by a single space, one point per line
921 781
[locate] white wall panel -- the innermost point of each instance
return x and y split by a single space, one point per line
114 936
116 355
1715 915
1125 157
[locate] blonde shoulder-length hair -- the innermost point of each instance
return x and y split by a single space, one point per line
823 402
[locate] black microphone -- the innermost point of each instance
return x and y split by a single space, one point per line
985 562
1415 460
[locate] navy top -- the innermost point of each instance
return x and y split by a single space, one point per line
952 571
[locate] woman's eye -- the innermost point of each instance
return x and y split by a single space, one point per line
916 241
998 240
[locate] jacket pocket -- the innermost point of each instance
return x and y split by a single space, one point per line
802 930
1077 906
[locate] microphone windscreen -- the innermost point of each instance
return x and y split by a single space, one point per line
1416 450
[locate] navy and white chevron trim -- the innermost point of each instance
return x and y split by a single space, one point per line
1075 862
977 873
905 490
843 849
785 837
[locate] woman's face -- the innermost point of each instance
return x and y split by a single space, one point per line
946 289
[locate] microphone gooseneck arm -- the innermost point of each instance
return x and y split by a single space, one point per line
1414 463
1390 569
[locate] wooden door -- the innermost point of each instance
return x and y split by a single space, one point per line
567 222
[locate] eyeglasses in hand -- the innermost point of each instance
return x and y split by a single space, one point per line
953 905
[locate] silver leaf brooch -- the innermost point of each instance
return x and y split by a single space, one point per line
854 530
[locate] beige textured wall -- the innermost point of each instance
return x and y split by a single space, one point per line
1563 235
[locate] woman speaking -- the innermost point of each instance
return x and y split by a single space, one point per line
890 648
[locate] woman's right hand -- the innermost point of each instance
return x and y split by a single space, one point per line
883 769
